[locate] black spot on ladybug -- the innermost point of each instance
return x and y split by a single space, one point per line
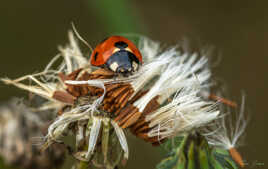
95 56
121 45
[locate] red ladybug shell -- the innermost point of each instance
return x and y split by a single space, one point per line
105 49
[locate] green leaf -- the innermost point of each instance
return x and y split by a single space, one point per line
223 158
193 152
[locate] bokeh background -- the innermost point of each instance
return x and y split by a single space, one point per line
31 30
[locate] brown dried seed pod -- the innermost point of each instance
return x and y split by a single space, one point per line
122 96
110 87
105 77
143 128
140 123
117 111
130 118
85 76
71 76
106 106
98 90
103 72
133 119
222 100
125 101
108 100
124 112
84 90
91 89
151 106
64 97
237 157
74 74
138 96
116 92
158 142
146 138
74 90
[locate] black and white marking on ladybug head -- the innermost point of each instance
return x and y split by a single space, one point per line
123 61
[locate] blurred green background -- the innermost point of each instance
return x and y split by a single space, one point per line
31 30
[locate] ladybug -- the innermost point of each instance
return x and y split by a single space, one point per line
117 54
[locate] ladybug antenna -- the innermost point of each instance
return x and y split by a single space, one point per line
80 38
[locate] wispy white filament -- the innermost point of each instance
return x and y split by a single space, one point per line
93 137
226 135
42 88
73 58
181 71
186 112
152 69
122 139
149 49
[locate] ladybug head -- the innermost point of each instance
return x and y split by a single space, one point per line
123 62
118 54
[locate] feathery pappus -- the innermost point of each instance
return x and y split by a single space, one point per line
226 132
153 93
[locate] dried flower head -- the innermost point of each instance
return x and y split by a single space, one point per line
161 100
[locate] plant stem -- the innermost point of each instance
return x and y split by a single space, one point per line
83 165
